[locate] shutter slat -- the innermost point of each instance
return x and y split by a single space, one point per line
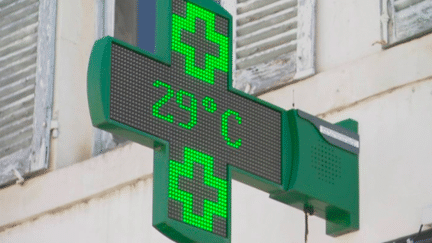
15 107
15 136
16 126
267 33
266 44
267 22
252 5
15 141
17 5
403 4
260 13
18 35
28 10
17 115
19 44
266 56
17 96
18 65
26 72
15 86
19 24
4 3
18 54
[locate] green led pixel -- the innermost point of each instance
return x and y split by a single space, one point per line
192 108
162 101
209 104
177 169
225 116
211 62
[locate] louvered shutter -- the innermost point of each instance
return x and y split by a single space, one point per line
27 32
274 43
403 20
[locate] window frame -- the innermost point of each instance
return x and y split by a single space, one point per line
105 26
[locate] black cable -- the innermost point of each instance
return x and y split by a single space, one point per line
306 225
307 210
418 234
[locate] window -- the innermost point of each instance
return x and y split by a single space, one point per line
403 20
122 20
27 38
274 42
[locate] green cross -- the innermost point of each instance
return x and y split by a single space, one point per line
180 101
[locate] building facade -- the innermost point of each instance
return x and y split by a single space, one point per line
64 181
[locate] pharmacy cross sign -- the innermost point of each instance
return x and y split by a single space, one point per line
180 102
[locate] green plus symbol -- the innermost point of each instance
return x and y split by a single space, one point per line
209 194
203 52
195 66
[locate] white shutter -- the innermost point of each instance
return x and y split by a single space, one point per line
27 32
274 43
405 20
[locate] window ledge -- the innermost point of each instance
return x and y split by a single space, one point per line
74 184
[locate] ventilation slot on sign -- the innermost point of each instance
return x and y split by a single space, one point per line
326 163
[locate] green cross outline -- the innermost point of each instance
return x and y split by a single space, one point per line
342 219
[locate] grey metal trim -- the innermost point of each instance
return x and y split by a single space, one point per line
44 84
321 123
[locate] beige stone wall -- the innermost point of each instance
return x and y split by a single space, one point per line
76 33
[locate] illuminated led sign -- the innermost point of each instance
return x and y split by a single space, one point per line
180 102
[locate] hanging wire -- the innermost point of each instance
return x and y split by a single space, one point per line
418 234
306 226
307 210
293 104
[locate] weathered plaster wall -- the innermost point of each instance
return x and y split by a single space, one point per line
345 32
76 33
108 198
